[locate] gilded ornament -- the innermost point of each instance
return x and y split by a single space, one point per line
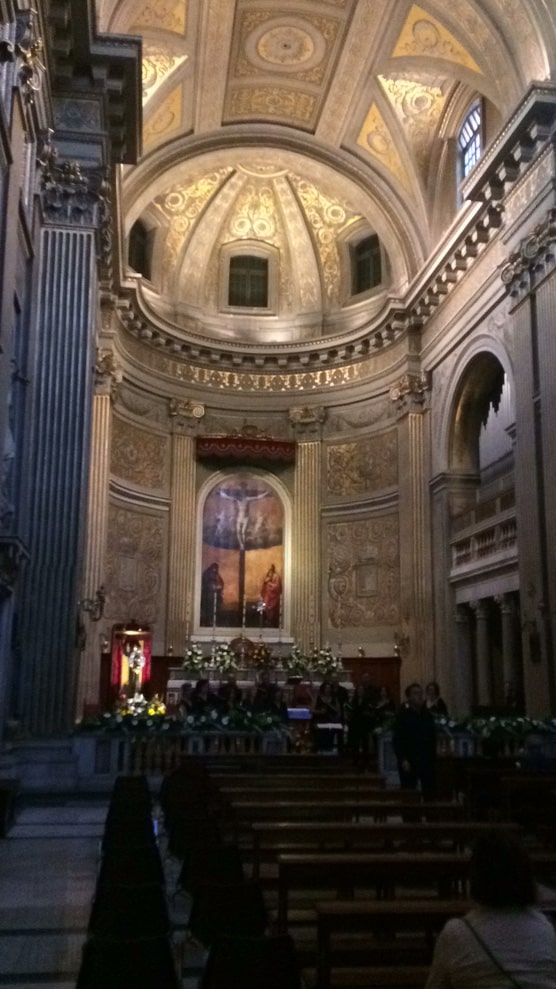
424 35
364 572
366 465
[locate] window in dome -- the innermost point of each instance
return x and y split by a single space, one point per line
366 265
248 282
470 140
140 246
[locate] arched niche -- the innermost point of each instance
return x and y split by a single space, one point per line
244 529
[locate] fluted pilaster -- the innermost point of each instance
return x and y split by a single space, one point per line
180 615
57 473
95 549
306 556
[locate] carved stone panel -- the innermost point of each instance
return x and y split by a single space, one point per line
366 465
138 456
134 565
364 572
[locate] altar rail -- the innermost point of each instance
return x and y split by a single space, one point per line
104 756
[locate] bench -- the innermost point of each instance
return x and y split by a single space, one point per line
447 873
280 837
344 810
379 919
324 792
375 977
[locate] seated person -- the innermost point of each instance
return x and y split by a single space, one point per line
229 695
263 693
504 940
277 704
185 703
202 699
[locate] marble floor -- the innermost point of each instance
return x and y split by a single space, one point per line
48 865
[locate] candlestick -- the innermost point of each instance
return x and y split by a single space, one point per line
243 613
214 611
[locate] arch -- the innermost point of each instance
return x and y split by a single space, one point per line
251 519
473 374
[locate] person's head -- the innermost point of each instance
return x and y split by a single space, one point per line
432 691
501 873
325 689
202 688
414 695
186 690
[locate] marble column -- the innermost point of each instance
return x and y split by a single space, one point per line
462 668
306 544
96 534
58 452
482 653
181 576
510 665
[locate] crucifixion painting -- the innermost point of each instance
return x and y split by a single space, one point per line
243 541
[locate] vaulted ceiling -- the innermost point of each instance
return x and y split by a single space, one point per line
298 124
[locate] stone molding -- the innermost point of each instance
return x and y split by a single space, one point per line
534 258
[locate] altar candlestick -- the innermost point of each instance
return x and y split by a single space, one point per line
214 611
281 619
243 613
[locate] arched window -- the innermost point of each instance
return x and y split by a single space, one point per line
470 140
366 267
248 281
139 256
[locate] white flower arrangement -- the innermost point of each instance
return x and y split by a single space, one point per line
225 661
324 662
193 659
297 663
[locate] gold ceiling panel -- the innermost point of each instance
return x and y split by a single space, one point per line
290 105
375 138
157 67
299 47
419 108
165 122
424 35
169 16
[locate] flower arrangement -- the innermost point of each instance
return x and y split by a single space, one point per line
261 655
156 706
323 662
297 663
225 660
193 659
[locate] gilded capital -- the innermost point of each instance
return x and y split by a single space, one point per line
411 390
185 415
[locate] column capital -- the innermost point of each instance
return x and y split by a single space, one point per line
307 420
108 373
411 391
73 196
186 415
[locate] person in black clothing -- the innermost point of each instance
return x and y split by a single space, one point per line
434 701
414 742
202 698
360 716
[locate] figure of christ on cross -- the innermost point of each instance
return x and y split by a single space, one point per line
242 497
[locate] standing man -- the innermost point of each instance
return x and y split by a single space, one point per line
415 743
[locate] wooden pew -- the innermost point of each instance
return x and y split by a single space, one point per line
309 780
345 810
326 792
379 918
448 873
280 837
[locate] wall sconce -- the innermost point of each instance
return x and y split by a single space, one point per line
94 607
401 644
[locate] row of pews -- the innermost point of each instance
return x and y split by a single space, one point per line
359 877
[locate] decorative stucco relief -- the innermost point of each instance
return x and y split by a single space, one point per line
376 138
164 122
365 416
419 108
134 565
156 67
275 101
364 572
298 46
181 206
168 16
367 465
142 406
424 35
327 217
137 455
